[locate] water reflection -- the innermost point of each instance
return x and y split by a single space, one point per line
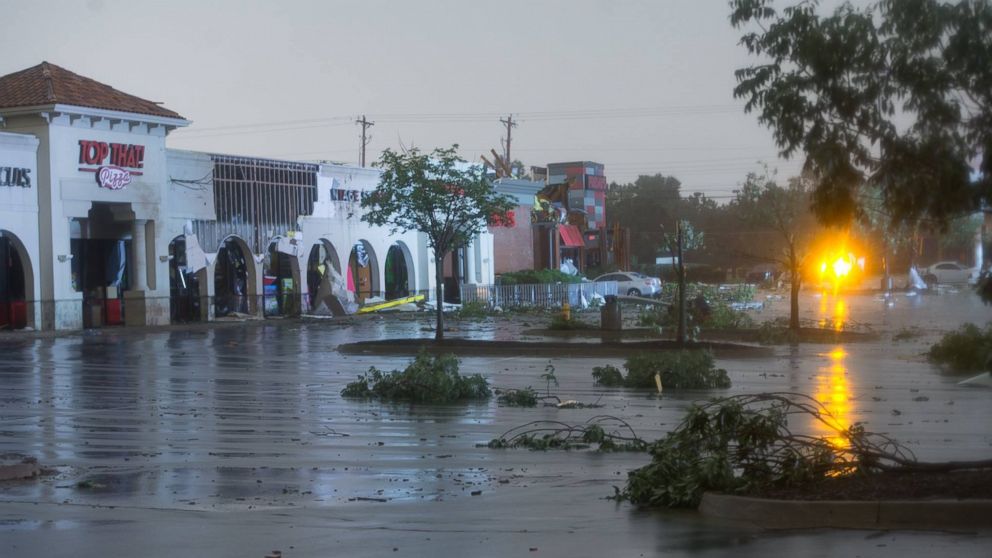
833 312
833 391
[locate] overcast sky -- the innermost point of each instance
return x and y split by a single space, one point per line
640 86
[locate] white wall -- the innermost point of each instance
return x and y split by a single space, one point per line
65 192
19 212
339 222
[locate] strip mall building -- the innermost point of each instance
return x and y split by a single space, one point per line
102 224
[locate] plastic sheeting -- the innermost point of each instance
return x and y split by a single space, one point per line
196 258
116 264
915 281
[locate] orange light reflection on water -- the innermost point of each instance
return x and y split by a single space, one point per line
832 312
833 390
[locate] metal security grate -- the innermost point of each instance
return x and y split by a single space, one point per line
257 199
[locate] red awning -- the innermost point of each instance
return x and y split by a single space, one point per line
570 236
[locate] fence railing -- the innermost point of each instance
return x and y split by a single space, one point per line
542 295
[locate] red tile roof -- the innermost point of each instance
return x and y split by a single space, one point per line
48 84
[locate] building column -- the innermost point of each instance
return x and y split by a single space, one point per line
469 253
139 282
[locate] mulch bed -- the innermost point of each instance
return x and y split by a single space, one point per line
892 486
476 347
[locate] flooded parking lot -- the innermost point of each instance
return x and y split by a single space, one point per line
234 441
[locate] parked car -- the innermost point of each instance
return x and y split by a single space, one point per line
632 283
949 273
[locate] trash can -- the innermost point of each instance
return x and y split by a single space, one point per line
610 318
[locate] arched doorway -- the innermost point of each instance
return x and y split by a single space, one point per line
233 280
16 283
324 279
363 272
185 304
399 272
280 282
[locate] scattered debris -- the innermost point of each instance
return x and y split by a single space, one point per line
547 434
15 466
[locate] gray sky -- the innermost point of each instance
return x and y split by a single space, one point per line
640 86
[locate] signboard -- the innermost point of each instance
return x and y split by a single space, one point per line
15 177
113 163
339 194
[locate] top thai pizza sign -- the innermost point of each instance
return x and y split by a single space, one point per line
113 163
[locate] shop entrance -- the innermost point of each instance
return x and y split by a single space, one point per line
15 282
100 245
231 278
184 287
280 283
398 273
324 281
361 272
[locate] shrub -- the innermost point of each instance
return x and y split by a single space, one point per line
712 293
777 332
654 316
428 379
722 316
678 370
609 376
473 309
968 348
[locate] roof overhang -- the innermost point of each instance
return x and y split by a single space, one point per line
96 113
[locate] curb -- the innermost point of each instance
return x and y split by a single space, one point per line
876 514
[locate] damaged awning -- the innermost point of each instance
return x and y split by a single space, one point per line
570 236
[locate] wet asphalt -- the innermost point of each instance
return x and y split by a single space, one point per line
233 440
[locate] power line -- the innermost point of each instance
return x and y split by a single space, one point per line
635 112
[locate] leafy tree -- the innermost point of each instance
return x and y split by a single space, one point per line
894 97
644 206
438 194
783 215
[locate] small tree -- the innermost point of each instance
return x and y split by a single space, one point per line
440 195
784 213
685 238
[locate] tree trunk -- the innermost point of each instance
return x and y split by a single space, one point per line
681 335
439 295
794 296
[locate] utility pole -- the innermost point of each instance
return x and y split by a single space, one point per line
510 125
681 335
366 124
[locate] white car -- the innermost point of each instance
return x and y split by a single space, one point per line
949 273
632 283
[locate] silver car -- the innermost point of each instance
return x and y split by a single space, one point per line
632 283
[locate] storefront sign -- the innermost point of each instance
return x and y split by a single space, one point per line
115 163
340 194
15 177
